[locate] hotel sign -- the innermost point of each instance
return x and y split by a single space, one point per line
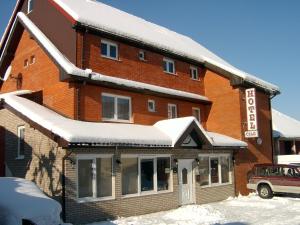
252 131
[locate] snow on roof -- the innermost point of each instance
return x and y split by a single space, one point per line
285 126
73 70
225 141
163 134
22 199
106 18
19 92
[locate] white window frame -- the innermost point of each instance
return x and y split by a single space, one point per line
218 156
170 106
168 61
198 110
94 157
26 63
109 43
19 156
29 8
154 191
115 119
192 69
154 106
32 60
143 54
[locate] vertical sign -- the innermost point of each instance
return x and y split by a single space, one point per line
251 113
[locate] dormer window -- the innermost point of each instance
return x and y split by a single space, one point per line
109 49
30 5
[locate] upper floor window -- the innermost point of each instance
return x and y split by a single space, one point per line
172 111
30 6
194 73
169 66
142 55
109 49
21 142
151 105
196 114
26 63
116 108
32 59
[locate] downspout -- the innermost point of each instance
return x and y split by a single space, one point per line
64 186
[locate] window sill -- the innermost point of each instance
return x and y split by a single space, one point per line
20 157
111 58
117 121
146 193
174 74
215 185
198 80
91 199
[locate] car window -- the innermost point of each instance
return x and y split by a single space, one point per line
290 172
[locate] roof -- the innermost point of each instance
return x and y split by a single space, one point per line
163 134
114 21
285 126
71 69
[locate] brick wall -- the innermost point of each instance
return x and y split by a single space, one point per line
42 161
43 76
130 67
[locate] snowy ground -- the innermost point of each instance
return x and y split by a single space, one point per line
234 211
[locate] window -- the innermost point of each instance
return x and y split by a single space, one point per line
194 73
26 63
116 108
94 177
145 174
109 49
172 111
30 5
32 59
21 142
151 105
142 55
214 170
169 66
196 114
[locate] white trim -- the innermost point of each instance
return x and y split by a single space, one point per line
29 10
154 105
19 128
218 156
139 157
108 44
194 68
94 157
168 61
116 97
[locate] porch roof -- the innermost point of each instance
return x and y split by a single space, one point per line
164 133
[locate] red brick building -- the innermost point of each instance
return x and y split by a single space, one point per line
120 74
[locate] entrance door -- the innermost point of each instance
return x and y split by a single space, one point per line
185 176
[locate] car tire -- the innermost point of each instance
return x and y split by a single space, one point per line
264 191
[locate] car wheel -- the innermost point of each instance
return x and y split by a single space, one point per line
264 191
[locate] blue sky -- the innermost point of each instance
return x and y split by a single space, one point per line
259 37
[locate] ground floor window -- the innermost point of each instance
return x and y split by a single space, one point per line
214 170
94 177
145 174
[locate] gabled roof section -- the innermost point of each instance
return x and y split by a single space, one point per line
70 69
97 15
167 133
285 126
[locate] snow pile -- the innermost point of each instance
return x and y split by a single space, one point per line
108 19
22 199
285 126
223 140
247 210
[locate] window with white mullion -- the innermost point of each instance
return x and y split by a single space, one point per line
155 174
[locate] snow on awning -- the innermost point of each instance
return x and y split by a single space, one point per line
71 69
164 133
285 126
99 16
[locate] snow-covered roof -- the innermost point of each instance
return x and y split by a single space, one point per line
285 126
108 19
22 199
225 141
163 134
71 69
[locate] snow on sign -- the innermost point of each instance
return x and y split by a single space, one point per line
251 113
